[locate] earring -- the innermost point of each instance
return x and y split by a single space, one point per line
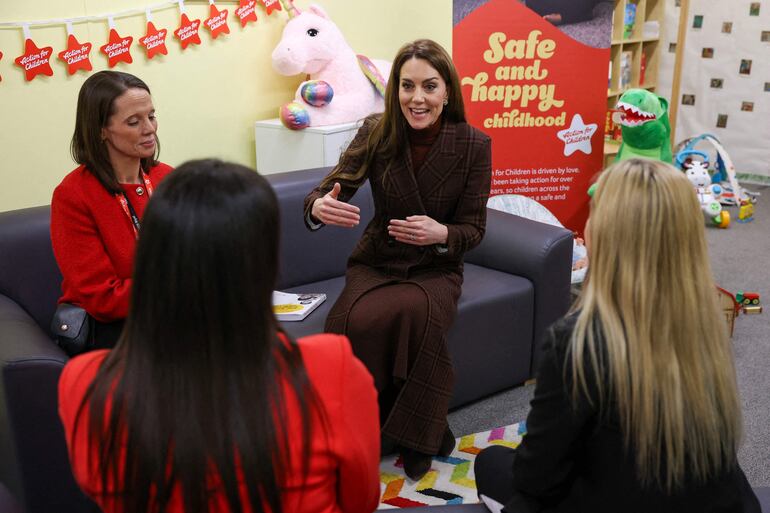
446 102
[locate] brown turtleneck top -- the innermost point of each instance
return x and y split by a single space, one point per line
420 142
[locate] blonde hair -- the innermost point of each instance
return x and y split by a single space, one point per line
648 323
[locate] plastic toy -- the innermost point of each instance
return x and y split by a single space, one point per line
749 301
341 88
643 117
746 212
708 193
747 298
724 170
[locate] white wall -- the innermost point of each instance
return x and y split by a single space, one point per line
747 134
207 97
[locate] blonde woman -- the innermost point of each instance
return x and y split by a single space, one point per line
636 406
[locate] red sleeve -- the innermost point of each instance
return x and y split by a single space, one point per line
356 436
83 260
73 383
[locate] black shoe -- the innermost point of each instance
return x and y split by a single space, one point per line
416 463
447 443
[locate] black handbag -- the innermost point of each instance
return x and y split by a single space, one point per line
73 328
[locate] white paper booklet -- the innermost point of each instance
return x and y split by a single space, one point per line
295 307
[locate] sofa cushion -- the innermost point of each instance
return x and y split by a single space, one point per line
491 338
492 302
310 257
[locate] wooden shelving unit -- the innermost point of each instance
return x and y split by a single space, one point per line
630 48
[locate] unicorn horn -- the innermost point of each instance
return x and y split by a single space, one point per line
289 7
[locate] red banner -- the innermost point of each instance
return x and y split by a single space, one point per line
541 96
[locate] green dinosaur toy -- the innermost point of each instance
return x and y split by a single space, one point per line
643 117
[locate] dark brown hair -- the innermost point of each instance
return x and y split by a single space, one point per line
96 103
195 385
388 132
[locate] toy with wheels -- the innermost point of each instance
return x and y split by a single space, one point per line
747 298
724 170
708 193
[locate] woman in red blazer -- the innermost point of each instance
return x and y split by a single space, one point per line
205 405
96 211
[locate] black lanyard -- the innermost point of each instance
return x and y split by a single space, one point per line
129 209
132 214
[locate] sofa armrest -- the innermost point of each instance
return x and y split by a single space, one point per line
539 252
34 464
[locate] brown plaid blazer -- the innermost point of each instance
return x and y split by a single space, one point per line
452 187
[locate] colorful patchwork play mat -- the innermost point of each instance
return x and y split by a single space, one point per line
450 479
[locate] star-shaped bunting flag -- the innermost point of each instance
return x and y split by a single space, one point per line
118 49
154 41
187 33
271 5
35 61
76 56
246 11
217 22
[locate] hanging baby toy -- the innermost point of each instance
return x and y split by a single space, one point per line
708 193
342 86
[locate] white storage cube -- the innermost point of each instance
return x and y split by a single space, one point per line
280 149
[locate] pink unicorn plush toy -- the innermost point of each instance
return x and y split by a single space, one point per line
343 87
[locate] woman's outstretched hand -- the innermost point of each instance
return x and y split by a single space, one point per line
329 210
418 231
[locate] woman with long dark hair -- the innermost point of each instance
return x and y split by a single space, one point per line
205 404
636 406
430 175
97 209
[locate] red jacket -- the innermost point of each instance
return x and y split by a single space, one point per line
93 241
343 475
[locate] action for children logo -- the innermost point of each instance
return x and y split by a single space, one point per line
578 136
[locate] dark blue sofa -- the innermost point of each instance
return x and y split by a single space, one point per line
516 284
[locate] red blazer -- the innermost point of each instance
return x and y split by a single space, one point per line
343 474
93 242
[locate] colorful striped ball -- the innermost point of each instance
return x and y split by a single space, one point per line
317 93
294 116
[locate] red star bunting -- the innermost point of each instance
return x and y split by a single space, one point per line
187 33
246 11
271 5
118 49
35 61
154 41
217 22
76 56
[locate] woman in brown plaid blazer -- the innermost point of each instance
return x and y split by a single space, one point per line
430 176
